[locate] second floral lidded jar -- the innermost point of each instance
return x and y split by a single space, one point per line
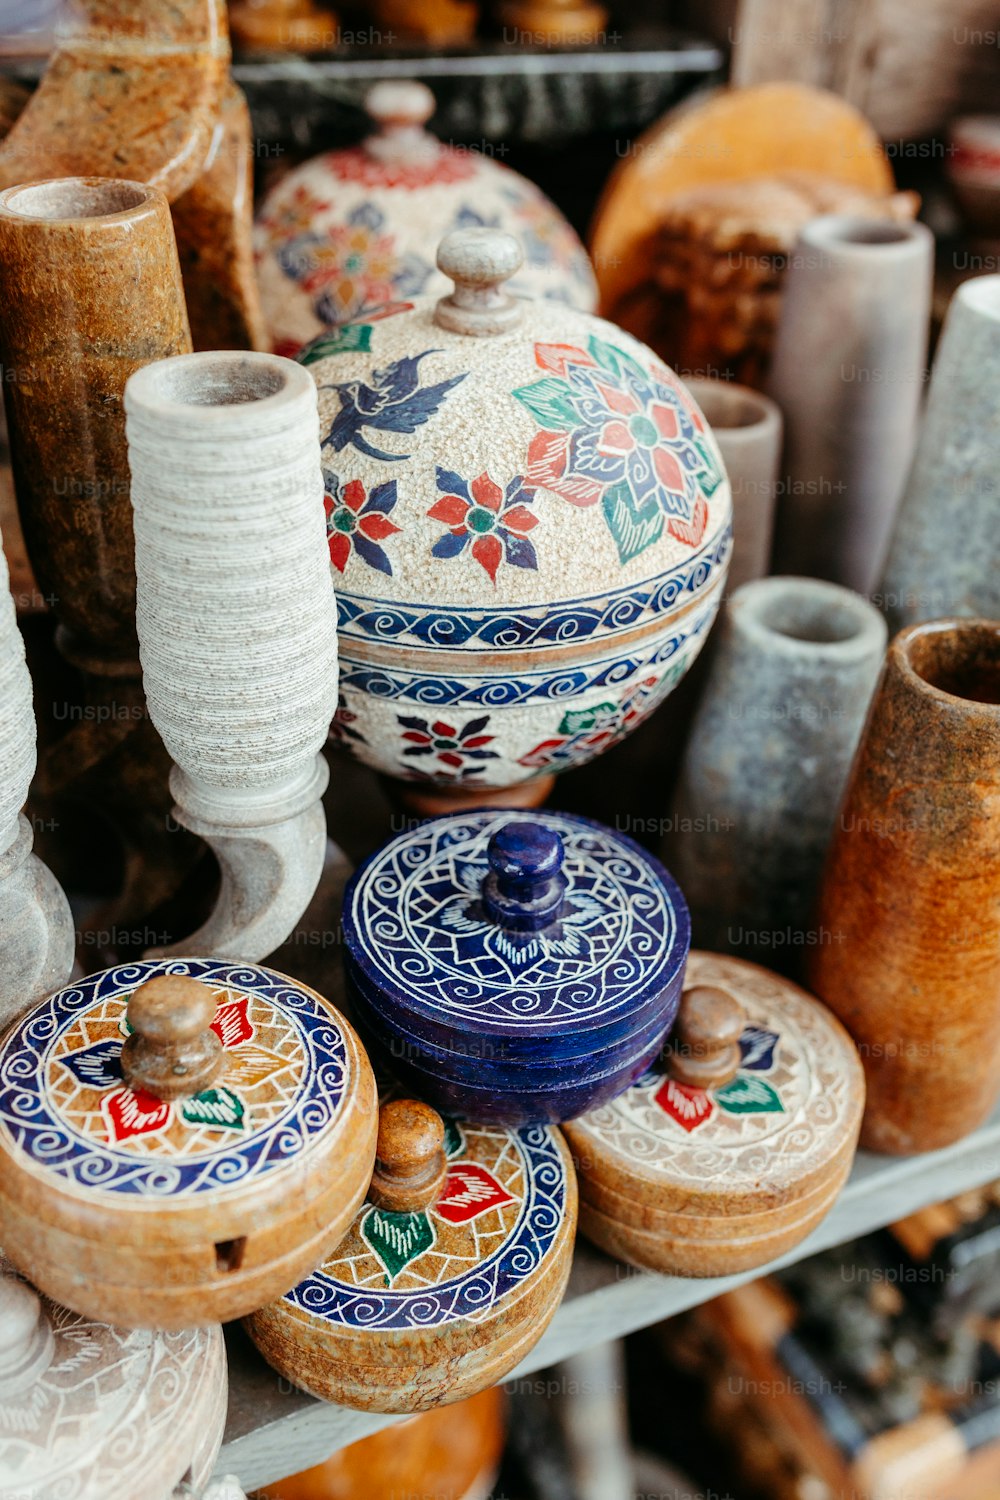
529 526
180 1140
514 971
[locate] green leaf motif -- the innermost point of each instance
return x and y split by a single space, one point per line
613 359
396 1239
709 477
219 1107
344 340
454 1140
634 528
550 402
745 1095
574 720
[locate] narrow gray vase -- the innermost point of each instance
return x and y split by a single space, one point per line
747 427
848 373
945 553
766 763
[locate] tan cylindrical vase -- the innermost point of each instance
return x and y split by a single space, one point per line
91 291
910 898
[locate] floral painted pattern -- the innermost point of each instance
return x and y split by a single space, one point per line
584 733
485 522
349 336
458 754
616 434
394 402
352 266
746 1094
446 165
343 730
358 522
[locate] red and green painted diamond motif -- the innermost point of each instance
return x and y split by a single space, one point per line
396 1239
469 1190
746 1094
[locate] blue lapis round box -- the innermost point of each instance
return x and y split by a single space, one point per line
511 969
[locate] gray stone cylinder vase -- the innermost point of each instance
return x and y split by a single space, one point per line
747 427
764 769
945 553
849 371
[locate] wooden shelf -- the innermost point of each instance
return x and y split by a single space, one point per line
274 1429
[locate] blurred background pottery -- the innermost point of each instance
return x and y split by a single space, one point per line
514 970
748 429
529 526
974 170
357 229
910 902
848 372
945 552
764 770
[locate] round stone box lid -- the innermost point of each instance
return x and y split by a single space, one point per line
535 931
449 1273
90 1410
170 1127
356 228
753 1110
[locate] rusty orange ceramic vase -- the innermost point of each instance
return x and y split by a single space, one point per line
910 903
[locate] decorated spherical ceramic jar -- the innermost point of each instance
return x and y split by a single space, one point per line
180 1140
529 529
448 1276
736 1142
91 1411
357 229
511 970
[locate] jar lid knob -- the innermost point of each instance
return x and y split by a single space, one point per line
400 108
479 261
172 1052
704 1047
525 888
410 1161
26 1342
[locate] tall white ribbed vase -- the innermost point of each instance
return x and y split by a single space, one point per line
237 625
37 939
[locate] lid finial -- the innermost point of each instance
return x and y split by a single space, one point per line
410 1161
525 888
172 1052
479 261
400 109
704 1047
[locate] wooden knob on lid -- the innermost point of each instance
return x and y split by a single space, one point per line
410 1162
172 1052
704 1049
26 1342
479 261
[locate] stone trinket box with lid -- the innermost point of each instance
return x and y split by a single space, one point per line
92 1411
353 230
529 526
448 1276
735 1145
514 970
181 1140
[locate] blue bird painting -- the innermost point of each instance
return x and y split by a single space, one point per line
394 402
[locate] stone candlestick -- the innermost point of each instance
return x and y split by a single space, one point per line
237 625
37 938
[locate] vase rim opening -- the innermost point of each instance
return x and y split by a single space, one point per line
67 200
810 613
206 382
982 295
862 232
956 660
732 408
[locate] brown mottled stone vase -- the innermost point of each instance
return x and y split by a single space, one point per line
909 908
91 291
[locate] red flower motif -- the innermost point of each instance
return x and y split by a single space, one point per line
689 1107
469 1190
452 747
356 521
355 164
492 523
